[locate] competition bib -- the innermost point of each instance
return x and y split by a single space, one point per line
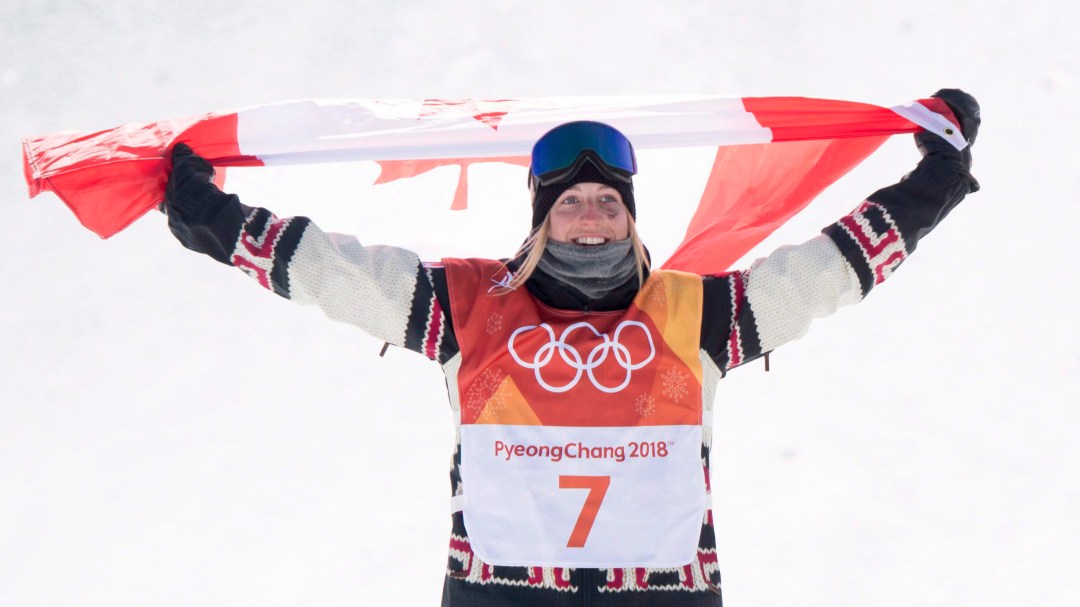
580 433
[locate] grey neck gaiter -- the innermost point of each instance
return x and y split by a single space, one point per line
593 270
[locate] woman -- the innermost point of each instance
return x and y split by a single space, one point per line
582 381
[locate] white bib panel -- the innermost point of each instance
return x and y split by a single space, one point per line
650 479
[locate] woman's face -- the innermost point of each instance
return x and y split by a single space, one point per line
589 214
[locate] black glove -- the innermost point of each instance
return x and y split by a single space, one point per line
187 167
202 217
966 110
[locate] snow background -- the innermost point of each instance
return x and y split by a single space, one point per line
170 434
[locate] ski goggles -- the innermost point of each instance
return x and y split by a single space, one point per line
560 152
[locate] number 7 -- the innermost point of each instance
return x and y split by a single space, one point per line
597 486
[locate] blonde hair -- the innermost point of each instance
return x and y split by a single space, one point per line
533 249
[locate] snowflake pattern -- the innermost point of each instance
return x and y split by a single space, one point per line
674 384
500 399
485 392
645 405
659 293
494 323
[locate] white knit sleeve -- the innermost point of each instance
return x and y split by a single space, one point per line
370 287
796 284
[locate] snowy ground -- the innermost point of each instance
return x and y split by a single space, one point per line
170 434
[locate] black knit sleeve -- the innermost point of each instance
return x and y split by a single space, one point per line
430 330
729 331
880 234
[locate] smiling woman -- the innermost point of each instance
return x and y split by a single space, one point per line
581 379
589 214
583 231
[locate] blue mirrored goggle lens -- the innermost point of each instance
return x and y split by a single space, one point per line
558 150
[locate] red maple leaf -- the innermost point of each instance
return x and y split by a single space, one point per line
490 115
392 170
487 111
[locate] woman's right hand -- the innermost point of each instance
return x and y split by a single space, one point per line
187 166
201 216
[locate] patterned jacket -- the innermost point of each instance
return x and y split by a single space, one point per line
391 294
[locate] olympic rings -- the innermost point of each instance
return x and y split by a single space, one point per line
572 357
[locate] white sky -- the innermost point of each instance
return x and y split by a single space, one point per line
170 434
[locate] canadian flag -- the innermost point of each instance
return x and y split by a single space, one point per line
773 154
